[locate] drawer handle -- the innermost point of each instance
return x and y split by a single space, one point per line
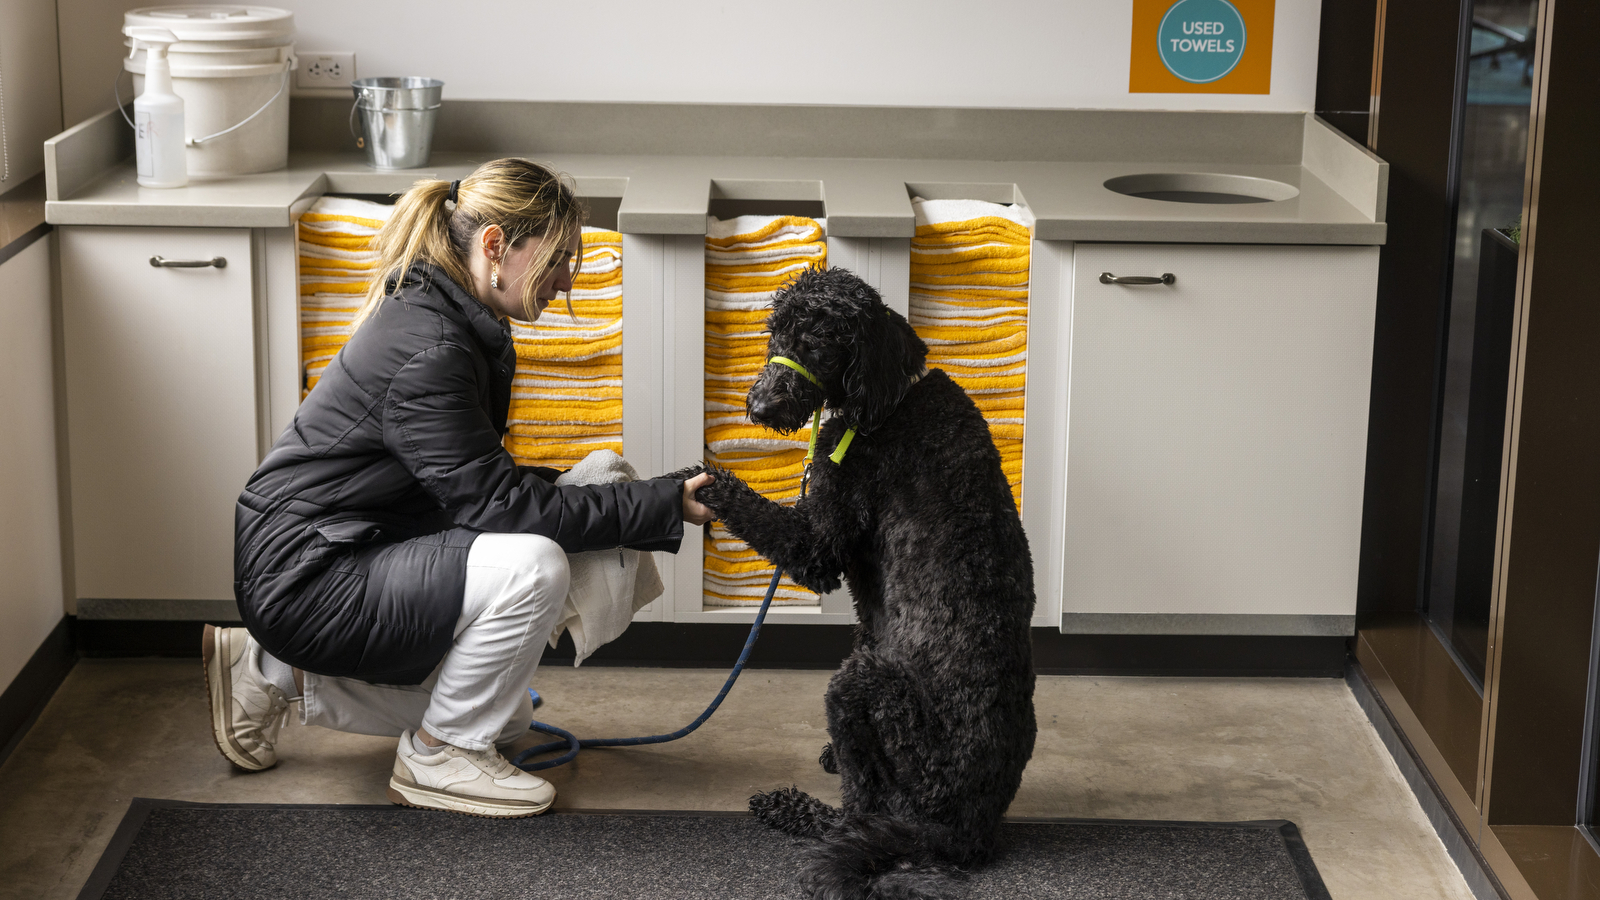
162 262
1108 278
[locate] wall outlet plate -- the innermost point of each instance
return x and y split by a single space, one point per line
321 70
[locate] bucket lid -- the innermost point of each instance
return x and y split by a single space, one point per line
215 23
223 70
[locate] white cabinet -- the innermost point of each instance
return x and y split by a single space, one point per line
1216 438
165 409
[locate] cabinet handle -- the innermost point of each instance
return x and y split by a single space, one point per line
1108 278
162 262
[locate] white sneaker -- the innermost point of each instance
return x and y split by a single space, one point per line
246 710
475 782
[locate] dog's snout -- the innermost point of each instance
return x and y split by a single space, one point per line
760 408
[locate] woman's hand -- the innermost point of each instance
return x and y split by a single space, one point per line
695 512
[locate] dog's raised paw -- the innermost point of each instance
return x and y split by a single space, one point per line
729 495
829 764
686 473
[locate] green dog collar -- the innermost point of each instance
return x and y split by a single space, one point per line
837 456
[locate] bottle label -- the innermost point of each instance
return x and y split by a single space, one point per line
144 144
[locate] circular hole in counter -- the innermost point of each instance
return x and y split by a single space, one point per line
1201 187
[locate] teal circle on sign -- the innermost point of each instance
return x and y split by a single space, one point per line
1201 40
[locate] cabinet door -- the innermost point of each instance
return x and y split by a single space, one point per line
1217 432
161 408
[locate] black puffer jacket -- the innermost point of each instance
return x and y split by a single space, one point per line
351 539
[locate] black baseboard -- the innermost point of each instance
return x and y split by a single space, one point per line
1260 656
717 645
122 638
26 696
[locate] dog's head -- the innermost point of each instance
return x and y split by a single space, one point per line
837 326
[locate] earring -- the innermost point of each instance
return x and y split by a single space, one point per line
494 276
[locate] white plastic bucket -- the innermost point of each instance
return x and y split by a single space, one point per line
231 65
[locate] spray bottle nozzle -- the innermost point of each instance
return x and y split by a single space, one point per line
156 39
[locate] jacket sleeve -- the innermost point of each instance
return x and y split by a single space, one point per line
545 473
434 426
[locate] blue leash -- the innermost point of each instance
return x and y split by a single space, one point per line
573 744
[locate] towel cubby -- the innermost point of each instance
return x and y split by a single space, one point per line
334 243
566 399
970 261
567 394
748 258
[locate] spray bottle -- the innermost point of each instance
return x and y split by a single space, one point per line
158 115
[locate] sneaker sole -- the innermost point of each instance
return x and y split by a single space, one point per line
409 793
219 688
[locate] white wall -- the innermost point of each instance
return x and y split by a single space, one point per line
30 87
1007 53
31 594
30 532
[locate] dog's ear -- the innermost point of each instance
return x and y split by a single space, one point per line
885 353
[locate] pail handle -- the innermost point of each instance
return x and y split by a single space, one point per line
288 67
361 142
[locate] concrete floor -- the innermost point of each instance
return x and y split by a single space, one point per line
1127 748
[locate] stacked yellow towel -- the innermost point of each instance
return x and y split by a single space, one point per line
969 303
336 263
747 260
567 397
566 401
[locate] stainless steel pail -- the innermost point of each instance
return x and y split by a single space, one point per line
397 117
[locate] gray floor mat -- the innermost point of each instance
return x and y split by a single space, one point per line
177 851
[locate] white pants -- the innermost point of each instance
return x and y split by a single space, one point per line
478 695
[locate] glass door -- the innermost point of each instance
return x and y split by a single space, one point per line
1491 156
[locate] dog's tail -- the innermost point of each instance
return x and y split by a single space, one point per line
866 856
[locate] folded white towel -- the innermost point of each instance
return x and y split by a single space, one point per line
355 209
608 586
934 212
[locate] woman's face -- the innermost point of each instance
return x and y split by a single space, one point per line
517 265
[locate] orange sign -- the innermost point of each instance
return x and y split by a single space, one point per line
1201 47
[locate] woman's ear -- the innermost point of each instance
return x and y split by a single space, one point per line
493 241
886 353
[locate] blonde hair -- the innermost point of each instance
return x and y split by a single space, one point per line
524 198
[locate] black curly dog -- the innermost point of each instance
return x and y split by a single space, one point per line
931 716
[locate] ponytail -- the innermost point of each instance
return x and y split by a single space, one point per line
524 198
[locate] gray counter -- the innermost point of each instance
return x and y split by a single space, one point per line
1341 186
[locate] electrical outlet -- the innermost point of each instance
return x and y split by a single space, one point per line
325 70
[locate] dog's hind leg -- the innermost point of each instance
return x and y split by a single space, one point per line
882 744
795 812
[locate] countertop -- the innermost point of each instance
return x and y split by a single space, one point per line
1340 200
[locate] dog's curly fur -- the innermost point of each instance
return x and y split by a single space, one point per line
931 715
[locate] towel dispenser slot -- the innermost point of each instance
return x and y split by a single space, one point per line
729 209
1004 193
732 197
603 211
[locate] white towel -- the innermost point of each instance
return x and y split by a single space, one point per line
930 212
608 586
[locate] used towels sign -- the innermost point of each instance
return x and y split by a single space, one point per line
1201 46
